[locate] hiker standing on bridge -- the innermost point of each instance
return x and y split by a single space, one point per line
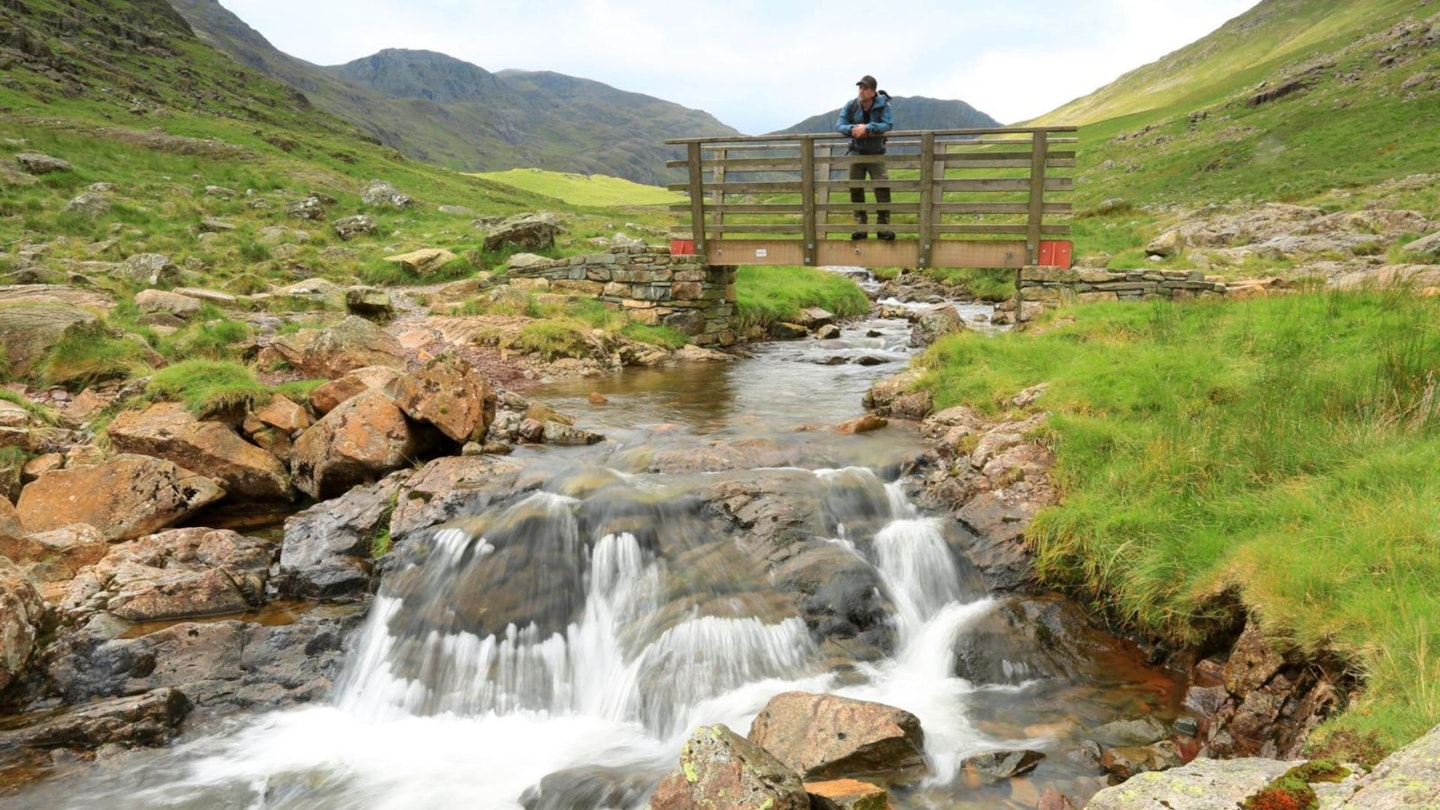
866 119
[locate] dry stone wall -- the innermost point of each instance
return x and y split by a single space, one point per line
1053 285
650 284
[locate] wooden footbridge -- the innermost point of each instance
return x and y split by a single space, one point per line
978 198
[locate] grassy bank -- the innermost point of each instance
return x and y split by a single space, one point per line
766 295
1283 452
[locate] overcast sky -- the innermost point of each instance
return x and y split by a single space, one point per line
763 65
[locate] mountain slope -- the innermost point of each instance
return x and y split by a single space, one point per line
1291 100
910 112
442 110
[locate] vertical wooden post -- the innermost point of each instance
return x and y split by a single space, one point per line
807 194
928 185
697 200
1037 197
717 196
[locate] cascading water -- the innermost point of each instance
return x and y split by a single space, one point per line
559 648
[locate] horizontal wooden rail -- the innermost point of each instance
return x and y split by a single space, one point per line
954 198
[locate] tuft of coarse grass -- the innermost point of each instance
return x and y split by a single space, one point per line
208 387
91 354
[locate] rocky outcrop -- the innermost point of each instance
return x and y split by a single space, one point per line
149 719
527 232
422 262
326 554
935 322
450 394
827 736
178 574
124 497
719 768
353 343
29 328
21 611
1205 784
168 430
361 440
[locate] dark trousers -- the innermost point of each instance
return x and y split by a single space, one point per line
875 171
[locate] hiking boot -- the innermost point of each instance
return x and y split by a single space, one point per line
888 236
862 235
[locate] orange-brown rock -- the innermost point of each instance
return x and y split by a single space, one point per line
862 424
831 737
358 442
847 794
449 393
325 398
168 430
124 497
21 610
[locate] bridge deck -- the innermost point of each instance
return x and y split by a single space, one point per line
959 198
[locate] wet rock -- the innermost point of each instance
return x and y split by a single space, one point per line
1126 762
449 487
58 555
815 318
168 430
862 424
847 794
828 332
360 441
719 768
829 736
217 664
124 497
148 719
178 574
787 331
21 611
1122 733
586 787
841 598
995 766
1054 800
449 393
935 322
883 396
326 554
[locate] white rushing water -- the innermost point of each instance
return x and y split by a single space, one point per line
480 720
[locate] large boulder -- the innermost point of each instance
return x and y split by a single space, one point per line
176 574
327 547
449 393
829 737
55 556
422 262
353 343
168 303
124 497
1425 246
21 610
527 232
449 487
719 768
168 430
29 328
149 270
381 193
325 398
361 440
1204 784
933 323
38 163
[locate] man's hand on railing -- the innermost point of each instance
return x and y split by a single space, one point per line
858 131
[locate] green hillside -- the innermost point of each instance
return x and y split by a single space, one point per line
585 190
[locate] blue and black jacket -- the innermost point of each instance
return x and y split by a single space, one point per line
877 122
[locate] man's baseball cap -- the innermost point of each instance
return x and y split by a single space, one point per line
867 81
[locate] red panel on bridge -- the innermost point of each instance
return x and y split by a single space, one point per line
1055 254
683 247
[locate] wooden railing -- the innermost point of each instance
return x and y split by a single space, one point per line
959 198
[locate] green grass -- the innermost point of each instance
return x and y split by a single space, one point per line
90 354
208 387
594 191
766 295
1280 452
